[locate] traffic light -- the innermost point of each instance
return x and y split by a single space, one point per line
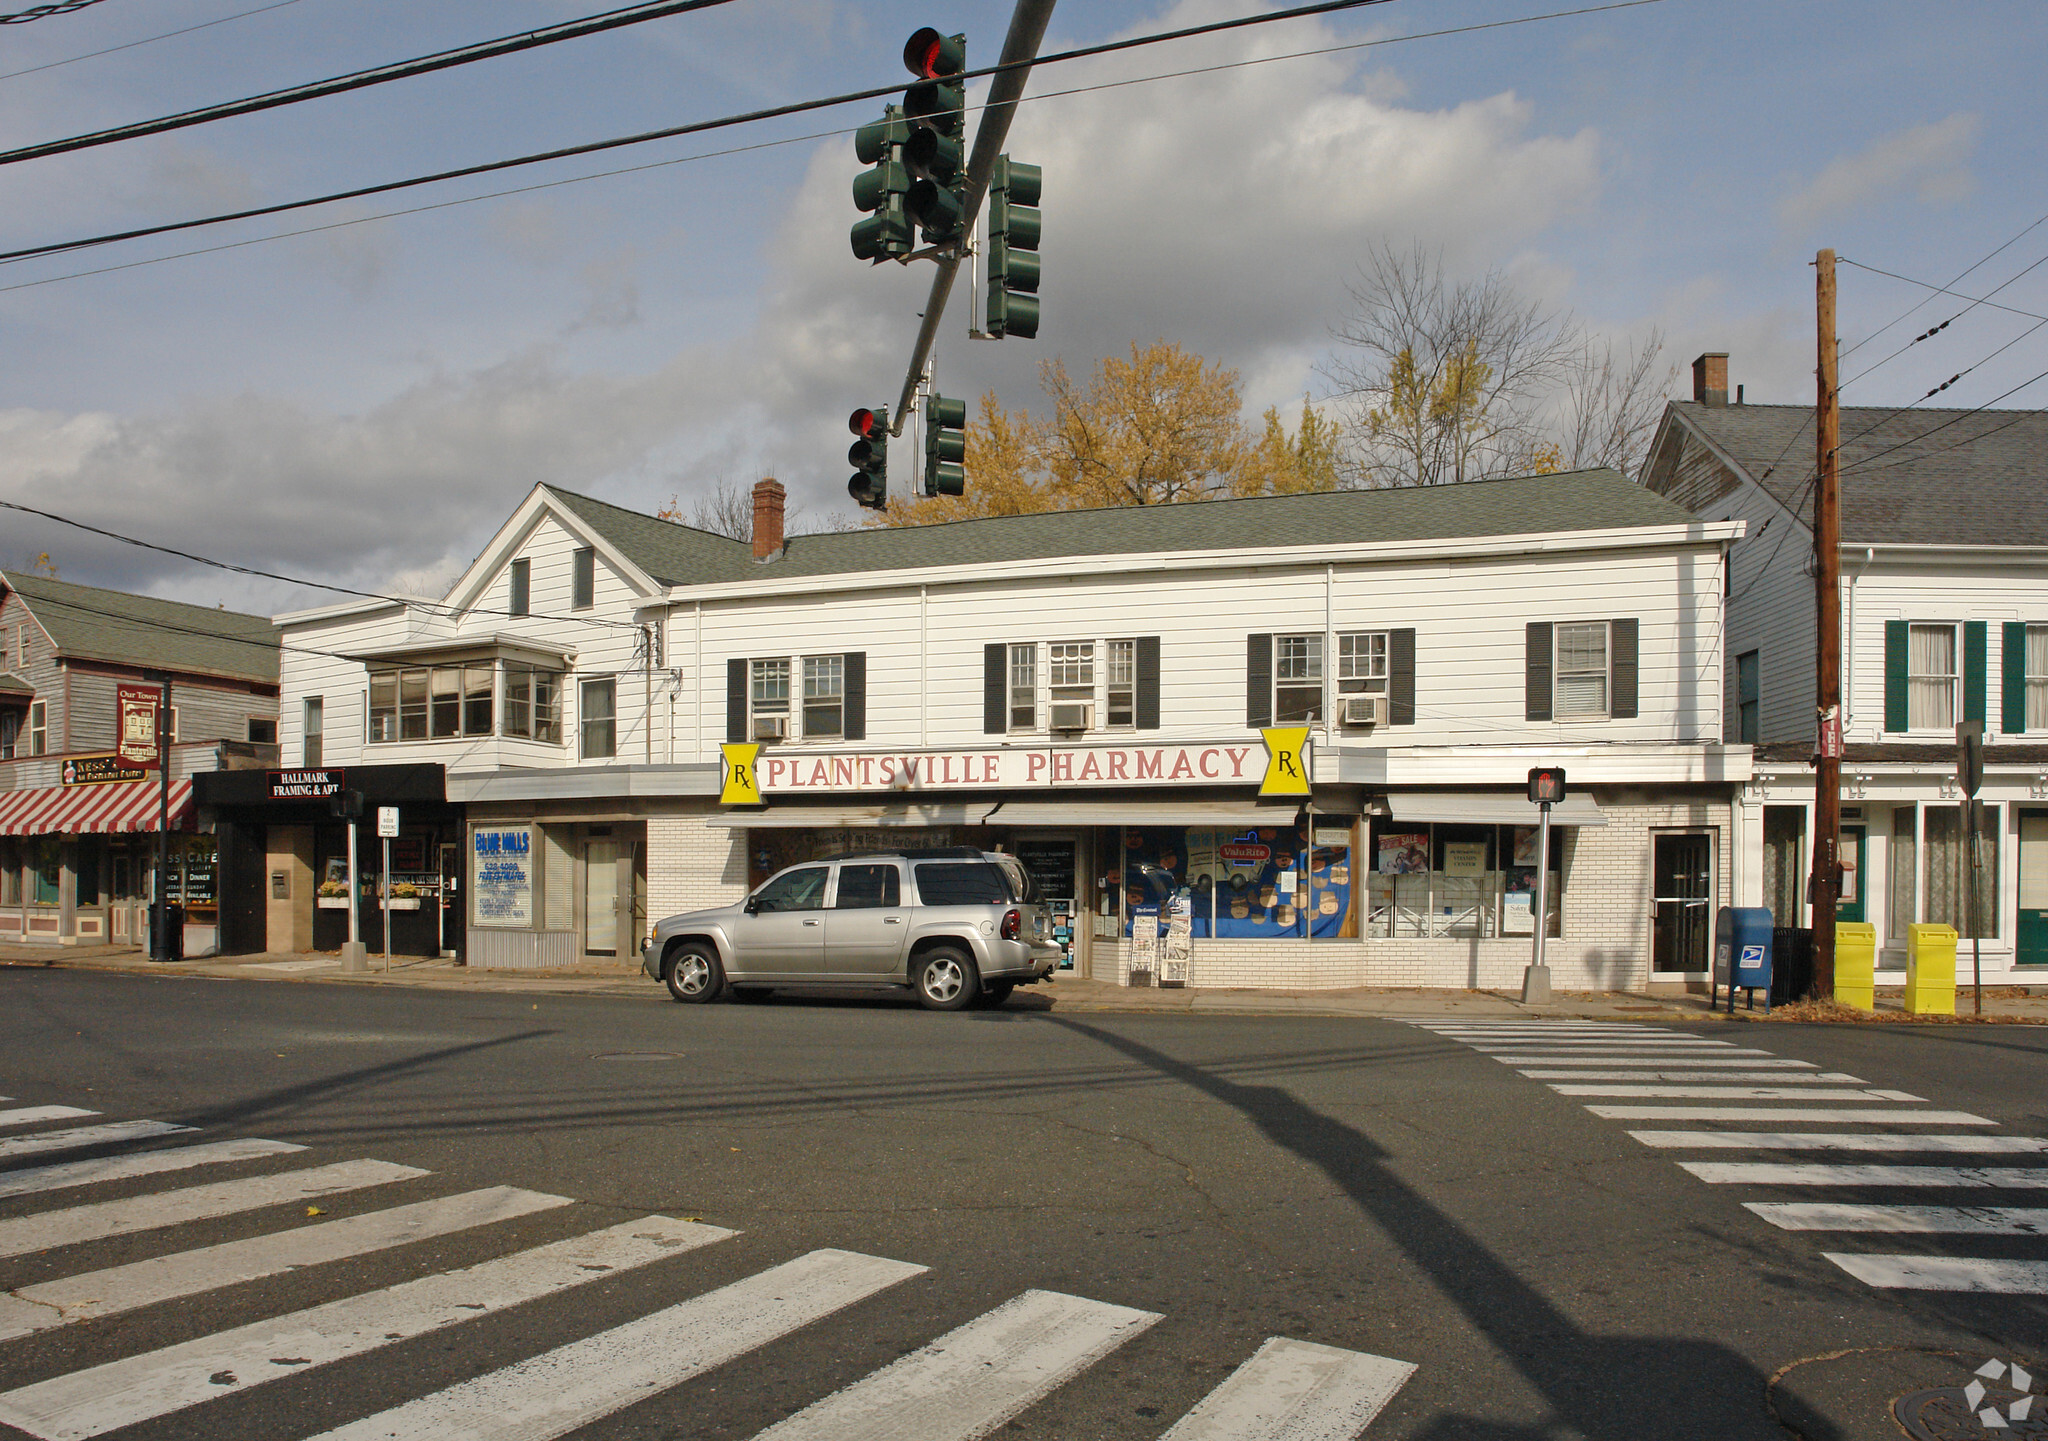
869 456
1546 785
935 153
883 189
945 446
1013 225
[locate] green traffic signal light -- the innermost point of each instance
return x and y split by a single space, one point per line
1014 221
869 455
945 446
882 190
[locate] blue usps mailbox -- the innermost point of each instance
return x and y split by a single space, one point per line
1742 953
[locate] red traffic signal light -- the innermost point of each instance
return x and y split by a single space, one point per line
869 456
1546 785
929 55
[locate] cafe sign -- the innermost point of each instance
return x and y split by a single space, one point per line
136 743
806 772
99 770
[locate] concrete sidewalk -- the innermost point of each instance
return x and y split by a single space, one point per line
1068 994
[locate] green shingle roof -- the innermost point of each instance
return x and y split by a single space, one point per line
85 622
1576 500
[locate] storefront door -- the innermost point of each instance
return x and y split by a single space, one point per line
1053 864
601 897
1682 875
451 900
1854 851
2033 927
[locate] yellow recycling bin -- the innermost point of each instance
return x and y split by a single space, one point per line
1930 970
1856 964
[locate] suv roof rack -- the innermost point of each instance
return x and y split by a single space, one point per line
919 853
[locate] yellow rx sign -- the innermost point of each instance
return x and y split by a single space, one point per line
1286 761
742 786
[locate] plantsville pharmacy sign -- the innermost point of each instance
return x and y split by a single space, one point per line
775 771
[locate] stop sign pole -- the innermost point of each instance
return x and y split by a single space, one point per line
1546 787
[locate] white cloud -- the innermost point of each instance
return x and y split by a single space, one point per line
1928 162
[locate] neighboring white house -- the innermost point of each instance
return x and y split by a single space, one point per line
1089 690
1944 618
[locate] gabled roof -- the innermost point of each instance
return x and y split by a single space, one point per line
85 622
1909 477
1578 500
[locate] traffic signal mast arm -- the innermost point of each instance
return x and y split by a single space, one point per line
1020 48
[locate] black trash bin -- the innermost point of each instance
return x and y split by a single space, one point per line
165 919
1791 964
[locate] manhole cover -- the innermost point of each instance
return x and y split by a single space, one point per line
1963 1413
638 1056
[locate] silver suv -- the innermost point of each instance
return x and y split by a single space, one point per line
957 926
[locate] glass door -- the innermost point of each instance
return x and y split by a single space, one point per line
2033 929
601 897
1854 845
1682 921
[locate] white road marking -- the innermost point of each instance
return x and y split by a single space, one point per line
28 1115
145 1163
1537 1054
1732 1093
1719 1058
1834 1141
1930 1220
973 1379
189 1273
96 1222
1775 1173
79 1137
292 965
1462 1031
157 1383
574 1385
1873 1116
1945 1273
1295 1391
1831 1078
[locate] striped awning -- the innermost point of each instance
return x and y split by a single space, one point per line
92 809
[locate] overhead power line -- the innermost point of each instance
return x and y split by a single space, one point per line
382 74
1959 277
44 12
146 40
773 112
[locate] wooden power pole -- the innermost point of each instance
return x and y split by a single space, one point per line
1827 546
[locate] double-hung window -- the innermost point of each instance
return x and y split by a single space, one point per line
312 740
38 728
1362 663
10 733
1297 679
1581 670
533 704
2037 677
1748 690
522 587
1120 692
597 717
824 695
583 580
1931 677
1071 670
1024 687
769 694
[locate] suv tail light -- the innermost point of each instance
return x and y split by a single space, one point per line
1013 922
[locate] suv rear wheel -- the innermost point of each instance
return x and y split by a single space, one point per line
693 973
945 979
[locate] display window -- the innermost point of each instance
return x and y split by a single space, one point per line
1249 882
1470 882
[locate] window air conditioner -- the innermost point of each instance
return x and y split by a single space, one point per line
1365 710
1073 715
771 727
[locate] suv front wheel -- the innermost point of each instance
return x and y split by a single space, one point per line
945 979
694 975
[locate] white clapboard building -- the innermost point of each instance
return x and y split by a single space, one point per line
1093 691
1944 562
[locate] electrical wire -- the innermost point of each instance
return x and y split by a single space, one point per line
1952 420
147 40
361 79
13 256
44 12
1960 275
1930 333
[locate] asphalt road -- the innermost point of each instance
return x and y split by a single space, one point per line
1362 1184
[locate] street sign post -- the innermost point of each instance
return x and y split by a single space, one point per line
387 829
1969 779
1546 788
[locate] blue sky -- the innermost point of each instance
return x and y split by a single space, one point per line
366 403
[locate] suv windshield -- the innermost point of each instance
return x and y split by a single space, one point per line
962 883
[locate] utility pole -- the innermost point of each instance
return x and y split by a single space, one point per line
1827 546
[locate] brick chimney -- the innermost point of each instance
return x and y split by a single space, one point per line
768 496
1710 378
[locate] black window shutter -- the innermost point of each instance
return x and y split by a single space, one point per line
2012 686
1897 712
1148 683
1258 680
736 700
995 688
1621 666
856 673
1401 677
1976 647
1536 673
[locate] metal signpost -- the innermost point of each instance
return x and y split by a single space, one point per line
387 828
1969 777
1546 787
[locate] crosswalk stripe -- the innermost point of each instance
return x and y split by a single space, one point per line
1619 1047
1834 1141
1832 1078
157 1383
972 1379
1933 1220
1945 1273
1521 1050
1873 1116
1616 1031
77 1138
28 1115
1295 1391
102 1219
1776 1173
190 1273
1730 1093
574 1385
66 1174
1721 1059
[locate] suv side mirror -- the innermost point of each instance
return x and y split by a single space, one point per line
752 905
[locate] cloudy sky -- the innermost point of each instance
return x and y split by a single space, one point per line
365 401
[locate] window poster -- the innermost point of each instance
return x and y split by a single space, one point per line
1403 853
1464 858
1253 881
502 893
1525 846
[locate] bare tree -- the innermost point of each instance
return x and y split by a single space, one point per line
1613 402
729 511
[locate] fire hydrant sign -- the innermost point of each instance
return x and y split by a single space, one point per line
136 747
